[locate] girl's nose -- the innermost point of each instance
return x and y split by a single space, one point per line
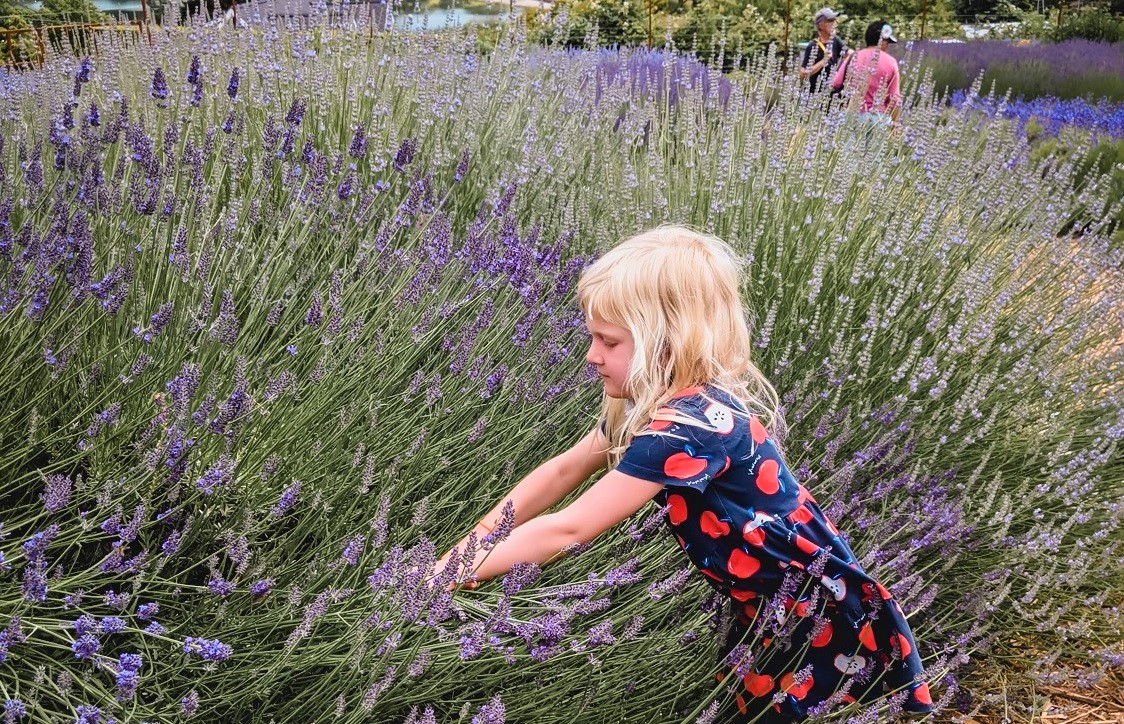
592 357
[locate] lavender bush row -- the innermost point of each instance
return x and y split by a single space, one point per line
1052 115
1070 69
284 310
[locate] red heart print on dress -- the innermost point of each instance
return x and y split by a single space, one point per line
713 527
921 693
676 509
866 636
767 480
741 564
658 425
823 638
757 430
800 515
903 644
758 684
806 546
742 596
684 465
789 686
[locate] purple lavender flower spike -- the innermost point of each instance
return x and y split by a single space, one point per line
112 625
491 713
56 493
128 675
353 550
88 715
86 647
288 500
262 588
220 587
14 709
159 87
315 315
462 167
190 703
358 145
147 611
217 477
84 68
232 85
117 600
207 649
405 154
93 118
195 70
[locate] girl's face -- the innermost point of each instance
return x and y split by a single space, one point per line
610 351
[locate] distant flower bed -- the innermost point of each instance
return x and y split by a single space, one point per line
1103 118
1072 69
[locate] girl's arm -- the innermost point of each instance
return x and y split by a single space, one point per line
610 500
546 485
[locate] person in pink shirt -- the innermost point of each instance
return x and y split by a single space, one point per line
872 74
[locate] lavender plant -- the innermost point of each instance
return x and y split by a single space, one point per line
284 310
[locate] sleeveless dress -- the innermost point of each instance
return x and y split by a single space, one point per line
809 625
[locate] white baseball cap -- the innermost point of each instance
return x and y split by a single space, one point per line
888 33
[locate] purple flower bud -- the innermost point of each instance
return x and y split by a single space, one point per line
194 71
219 587
112 625
190 703
358 146
84 68
315 315
262 588
93 118
207 649
86 646
159 88
56 493
14 709
491 713
88 715
217 476
128 675
405 154
462 167
232 85
353 550
288 500
146 611
117 600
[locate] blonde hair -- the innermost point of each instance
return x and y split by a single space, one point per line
676 291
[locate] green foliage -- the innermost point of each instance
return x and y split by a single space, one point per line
1089 23
581 23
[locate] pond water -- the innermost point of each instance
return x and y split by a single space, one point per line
452 17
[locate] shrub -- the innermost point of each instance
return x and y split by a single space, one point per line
282 312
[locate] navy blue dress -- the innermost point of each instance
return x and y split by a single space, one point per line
809 624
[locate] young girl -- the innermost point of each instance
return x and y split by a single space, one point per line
686 420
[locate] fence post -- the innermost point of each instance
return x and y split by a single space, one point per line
42 46
144 20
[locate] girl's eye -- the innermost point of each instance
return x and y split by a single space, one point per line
610 345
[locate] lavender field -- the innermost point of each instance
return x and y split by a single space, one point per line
283 311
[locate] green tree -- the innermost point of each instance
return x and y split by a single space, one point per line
607 22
